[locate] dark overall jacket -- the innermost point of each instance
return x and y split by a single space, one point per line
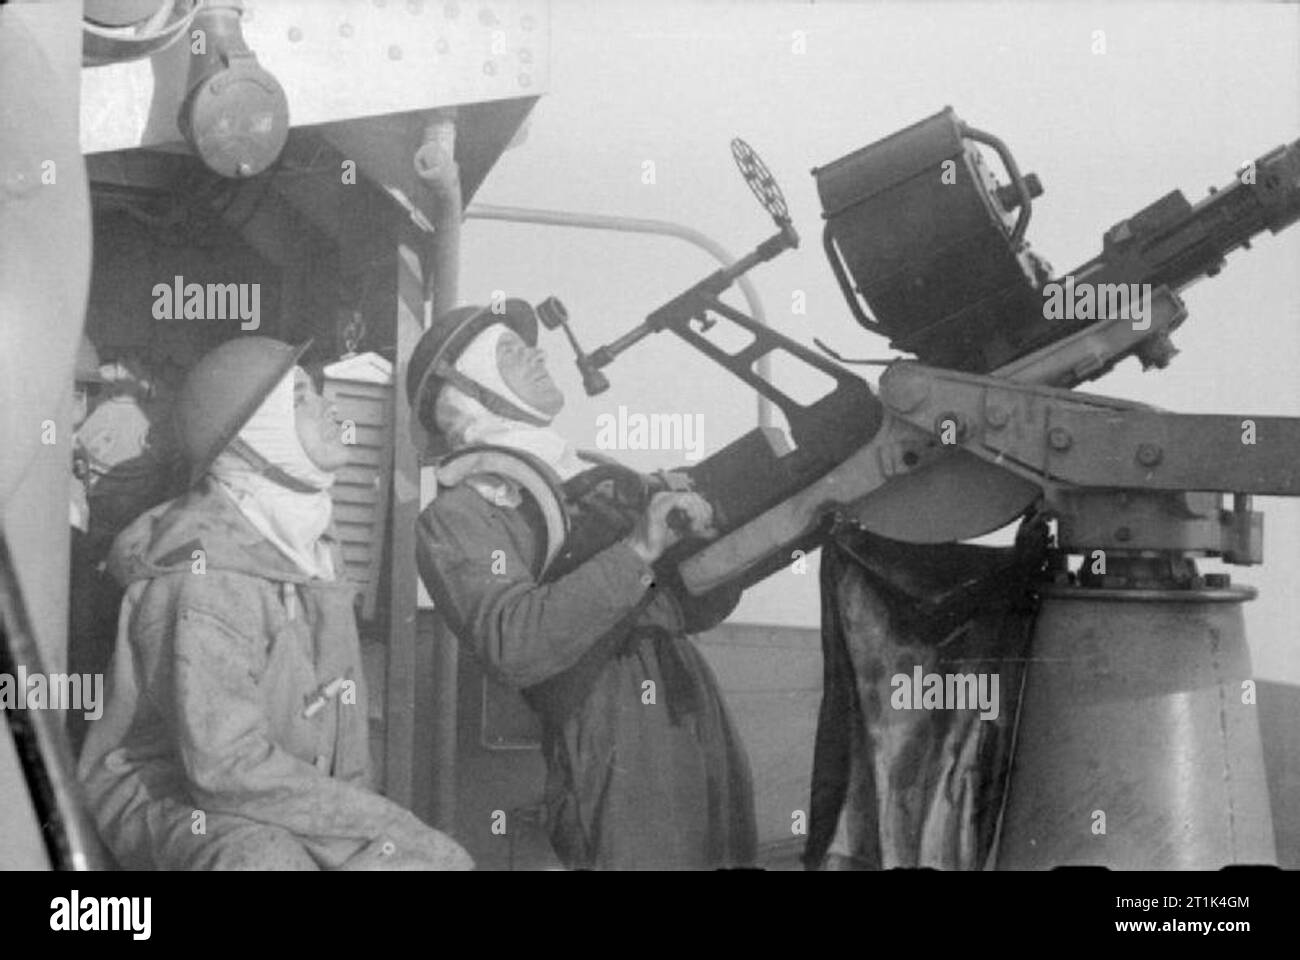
645 769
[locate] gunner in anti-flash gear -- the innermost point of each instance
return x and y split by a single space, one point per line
543 562
236 735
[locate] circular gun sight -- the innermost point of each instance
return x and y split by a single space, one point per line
761 181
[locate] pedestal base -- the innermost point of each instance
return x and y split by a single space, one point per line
1135 750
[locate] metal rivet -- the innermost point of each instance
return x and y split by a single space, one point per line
394 52
490 68
1123 534
527 22
1150 454
997 417
442 46
525 55
345 30
1058 438
294 34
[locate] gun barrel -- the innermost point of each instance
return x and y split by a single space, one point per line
1173 243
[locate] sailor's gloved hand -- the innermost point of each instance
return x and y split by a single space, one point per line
654 533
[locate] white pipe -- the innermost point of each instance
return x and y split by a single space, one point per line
599 221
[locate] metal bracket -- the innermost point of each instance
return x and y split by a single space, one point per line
1094 350
1187 523
1119 474
1087 440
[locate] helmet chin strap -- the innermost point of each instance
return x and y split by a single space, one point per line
267 469
490 399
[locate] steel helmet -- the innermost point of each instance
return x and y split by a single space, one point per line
442 344
223 390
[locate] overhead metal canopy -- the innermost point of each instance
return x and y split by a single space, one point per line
338 60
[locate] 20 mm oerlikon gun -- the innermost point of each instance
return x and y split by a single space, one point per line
1138 659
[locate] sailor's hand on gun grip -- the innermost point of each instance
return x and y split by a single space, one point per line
657 530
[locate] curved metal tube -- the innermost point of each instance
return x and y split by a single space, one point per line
666 228
1013 170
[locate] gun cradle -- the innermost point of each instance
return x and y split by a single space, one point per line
1118 475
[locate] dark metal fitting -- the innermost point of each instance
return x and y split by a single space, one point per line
1149 454
1059 439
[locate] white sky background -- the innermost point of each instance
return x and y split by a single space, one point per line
1184 94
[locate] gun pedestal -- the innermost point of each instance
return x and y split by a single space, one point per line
1137 744
1134 749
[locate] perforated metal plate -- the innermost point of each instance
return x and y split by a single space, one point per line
760 180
